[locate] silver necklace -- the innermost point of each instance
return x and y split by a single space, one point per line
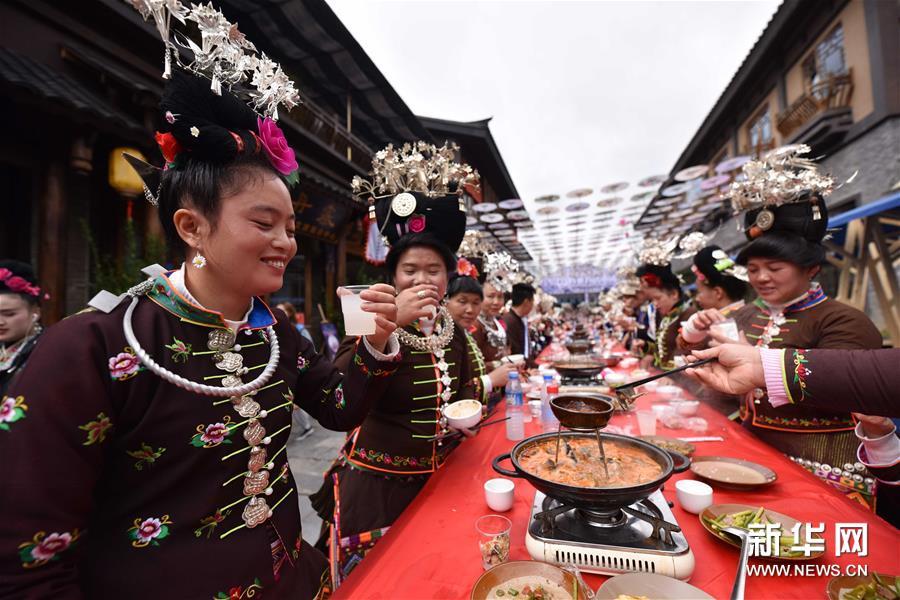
436 344
663 330
496 335
430 343
222 341
9 358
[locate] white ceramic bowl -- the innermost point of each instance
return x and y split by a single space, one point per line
661 410
687 408
693 495
669 391
499 494
516 359
614 378
463 414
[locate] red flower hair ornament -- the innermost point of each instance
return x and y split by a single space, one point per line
652 280
466 269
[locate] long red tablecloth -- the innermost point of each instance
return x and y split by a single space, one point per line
432 549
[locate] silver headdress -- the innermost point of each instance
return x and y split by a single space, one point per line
500 270
627 283
416 167
783 176
691 244
224 55
475 244
520 277
657 252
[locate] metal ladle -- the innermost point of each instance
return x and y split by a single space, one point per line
600 410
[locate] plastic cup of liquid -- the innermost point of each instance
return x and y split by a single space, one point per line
727 328
493 539
646 422
356 321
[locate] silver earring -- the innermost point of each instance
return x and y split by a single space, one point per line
199 261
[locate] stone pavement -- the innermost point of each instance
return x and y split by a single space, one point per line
309 459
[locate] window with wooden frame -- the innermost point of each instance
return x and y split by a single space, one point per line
759 131
827 59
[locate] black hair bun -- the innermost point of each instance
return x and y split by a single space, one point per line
203 122
659 276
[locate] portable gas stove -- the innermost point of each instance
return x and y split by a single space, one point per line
573 381
642 537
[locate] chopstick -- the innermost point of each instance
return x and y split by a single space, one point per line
639 382
457 433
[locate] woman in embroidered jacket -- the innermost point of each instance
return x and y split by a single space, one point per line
490 330
388 459
20 325
786 228
125 477
663 289
464 299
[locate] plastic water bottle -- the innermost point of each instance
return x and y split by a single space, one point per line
515 425
549 421
543 404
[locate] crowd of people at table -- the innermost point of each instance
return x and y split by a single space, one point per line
149 431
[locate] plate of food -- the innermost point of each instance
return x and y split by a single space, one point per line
734 473
527 580
667 443
876 586
644 586
742 516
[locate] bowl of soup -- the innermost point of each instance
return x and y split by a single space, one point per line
463 414
576 475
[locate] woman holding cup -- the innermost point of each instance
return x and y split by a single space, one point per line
150 433
388 458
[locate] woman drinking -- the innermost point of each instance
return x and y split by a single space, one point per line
152 430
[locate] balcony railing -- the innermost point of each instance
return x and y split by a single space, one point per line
829 94
327 129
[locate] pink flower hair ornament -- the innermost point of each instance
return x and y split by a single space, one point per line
18 284
279 153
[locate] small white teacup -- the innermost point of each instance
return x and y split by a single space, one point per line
499 494
693 495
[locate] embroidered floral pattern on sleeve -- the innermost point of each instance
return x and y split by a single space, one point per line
339 401
148 532
212 435
358 361
145 456
237 593
124 365
807 423
374 456
96 429
801 372
302 363
11 410
180 350
43 548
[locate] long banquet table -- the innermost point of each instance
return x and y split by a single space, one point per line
432 551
